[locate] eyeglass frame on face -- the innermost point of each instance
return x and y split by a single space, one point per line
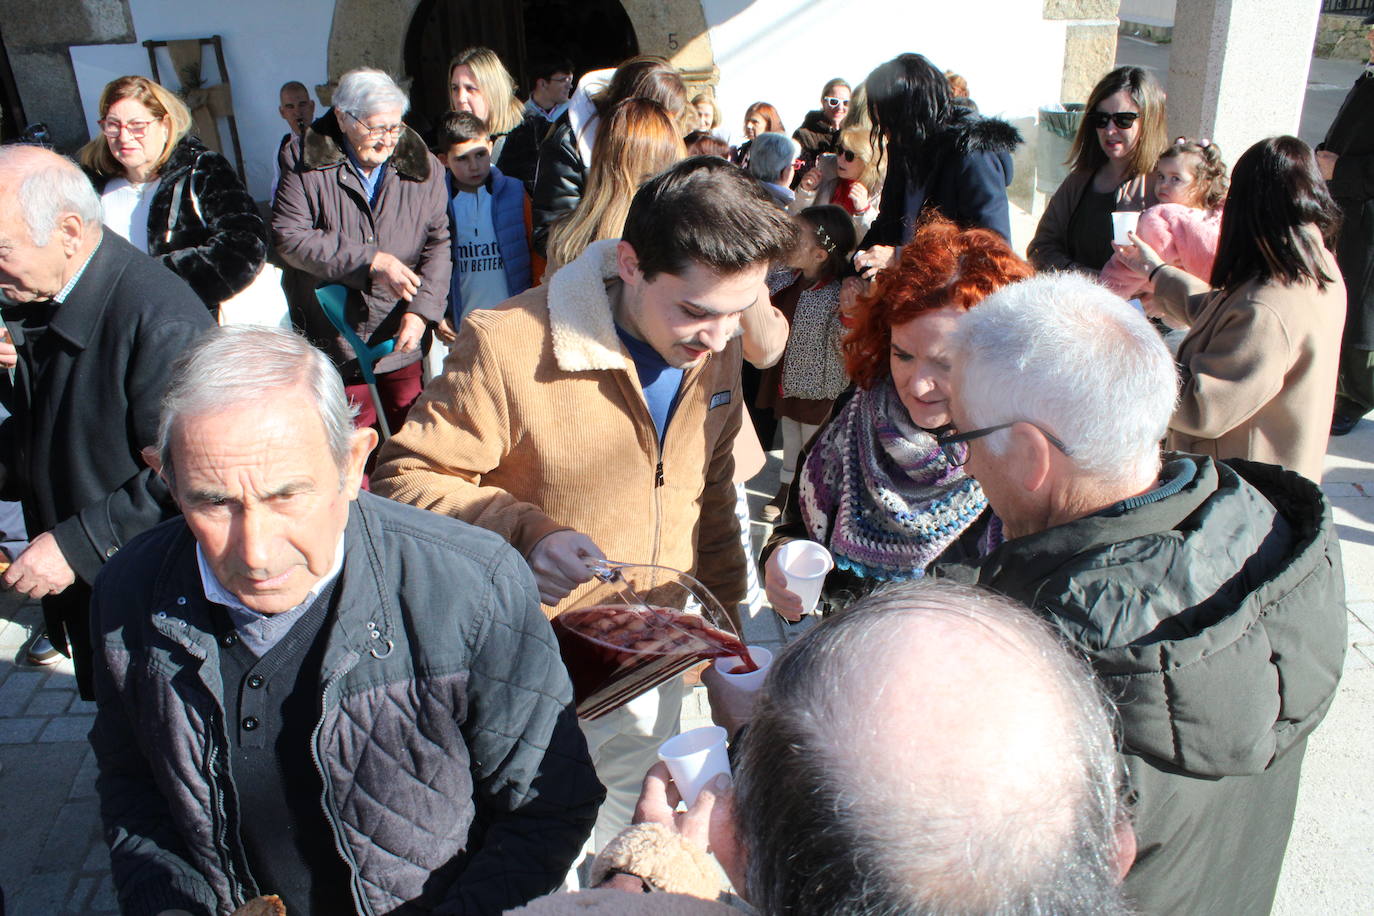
138 133
377 133
835 102
565 80
957 459
1098 120
847 154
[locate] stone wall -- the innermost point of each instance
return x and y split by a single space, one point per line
1089 43
38 34
1341 37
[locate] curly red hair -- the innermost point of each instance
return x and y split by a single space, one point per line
942 265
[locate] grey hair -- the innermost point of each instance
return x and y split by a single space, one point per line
242 365
50 186
827 833
365 91
1065 353
770 153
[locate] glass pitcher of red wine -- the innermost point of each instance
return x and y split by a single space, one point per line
635 628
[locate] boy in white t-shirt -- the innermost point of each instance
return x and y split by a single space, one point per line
489 219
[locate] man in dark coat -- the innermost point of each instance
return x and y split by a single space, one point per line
1346 160
92 327
318 693
1207 595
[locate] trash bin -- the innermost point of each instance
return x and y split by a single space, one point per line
1058 127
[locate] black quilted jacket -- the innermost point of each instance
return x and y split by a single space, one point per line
456 777
203 224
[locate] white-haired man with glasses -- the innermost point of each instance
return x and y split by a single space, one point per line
1207 595
365 205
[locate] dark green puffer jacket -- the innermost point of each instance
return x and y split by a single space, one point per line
1213 610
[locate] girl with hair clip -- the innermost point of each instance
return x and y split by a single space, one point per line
1258 365
801 387
873 485
759 118
479 83
1118 141
1183 228
638 140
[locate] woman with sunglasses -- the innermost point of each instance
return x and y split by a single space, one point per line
820 130
854 186
168 195
1113 154
874 486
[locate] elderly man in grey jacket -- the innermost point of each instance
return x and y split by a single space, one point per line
316 693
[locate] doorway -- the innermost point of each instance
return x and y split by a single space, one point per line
591 33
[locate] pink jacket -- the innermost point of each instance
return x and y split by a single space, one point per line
1184 237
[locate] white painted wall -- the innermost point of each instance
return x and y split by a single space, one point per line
783 52
266 43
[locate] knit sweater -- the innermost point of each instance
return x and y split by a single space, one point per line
540 425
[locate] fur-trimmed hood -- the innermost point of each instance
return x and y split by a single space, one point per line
324 148
974 133
581 315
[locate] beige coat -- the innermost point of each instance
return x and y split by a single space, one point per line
1258 368
539 424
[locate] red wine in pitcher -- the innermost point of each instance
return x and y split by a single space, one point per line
615 652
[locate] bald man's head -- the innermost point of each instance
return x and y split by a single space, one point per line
49 222
933 749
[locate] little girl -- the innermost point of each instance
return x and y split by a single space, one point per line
811 374
1190 185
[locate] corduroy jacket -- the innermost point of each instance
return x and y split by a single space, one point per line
539 425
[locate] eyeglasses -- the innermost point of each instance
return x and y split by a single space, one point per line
1098 120
848 155
833 102
955 446
560 79
137 129
377 133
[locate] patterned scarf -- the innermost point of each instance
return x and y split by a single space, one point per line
877 489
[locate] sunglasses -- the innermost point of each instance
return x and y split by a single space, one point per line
847 154
137 129
835 103
1098 120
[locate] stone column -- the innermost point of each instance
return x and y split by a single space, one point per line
1238 69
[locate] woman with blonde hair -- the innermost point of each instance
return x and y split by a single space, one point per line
566 151
1119 139
708 114
168 195
479 83
854 185
638 139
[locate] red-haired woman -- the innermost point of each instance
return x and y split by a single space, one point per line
874 486
759 118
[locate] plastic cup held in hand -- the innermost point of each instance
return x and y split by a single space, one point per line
694 758
1123 221
745 680
805 565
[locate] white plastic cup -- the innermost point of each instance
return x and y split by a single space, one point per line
749 681
1123 221
804 566
695 758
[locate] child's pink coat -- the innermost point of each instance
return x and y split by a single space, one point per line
1183 236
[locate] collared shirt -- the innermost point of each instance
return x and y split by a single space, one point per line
371 183
76 277
260 632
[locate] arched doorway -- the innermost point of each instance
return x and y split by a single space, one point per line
591 33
